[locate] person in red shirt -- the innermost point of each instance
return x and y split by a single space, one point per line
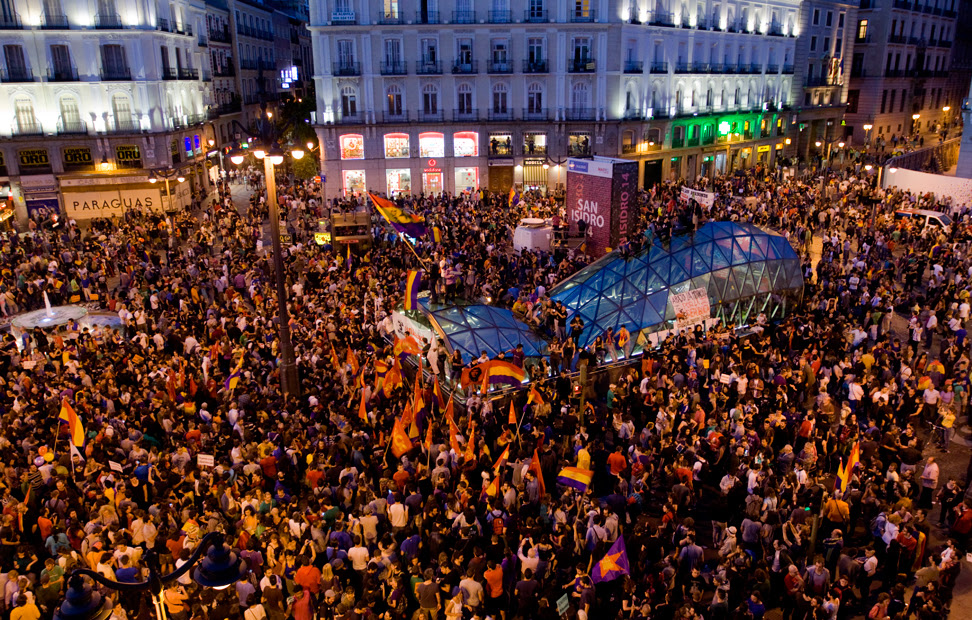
617 462
308 576
269 465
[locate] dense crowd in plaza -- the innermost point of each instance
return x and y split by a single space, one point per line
715 491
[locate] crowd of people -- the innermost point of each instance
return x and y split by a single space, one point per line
714 458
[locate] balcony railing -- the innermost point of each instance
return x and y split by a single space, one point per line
535 16
467 115
500 17
501 115
74 126
579 114
188 74
27 129
228 71
343 18
388 19
788 69
464 17
163 25
428 67
818 81
125 126
220 35
56 22
346 69
231 107
662 18
500 66
634 66
202 40
398 67
427 17
683 67
16 74
169 73
580 65
659 66
897 38
583 17
390 117
776 30
944 44
116 74
11 22
755 69
633 115
535 66
62 74
536 114
771 69
108 21
350 119
430 116
466 67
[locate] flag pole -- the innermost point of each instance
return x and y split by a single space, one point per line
401 236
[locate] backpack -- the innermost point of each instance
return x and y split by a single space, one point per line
877 525
499 526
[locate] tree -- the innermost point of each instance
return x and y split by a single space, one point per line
306 167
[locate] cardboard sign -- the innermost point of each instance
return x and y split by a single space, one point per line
691 308
703 198
115 466
562 604
205 460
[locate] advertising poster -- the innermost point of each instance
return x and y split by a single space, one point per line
623 200
589 185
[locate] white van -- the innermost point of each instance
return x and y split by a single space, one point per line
919 218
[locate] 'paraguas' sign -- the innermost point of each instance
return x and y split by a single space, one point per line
111 203
703 198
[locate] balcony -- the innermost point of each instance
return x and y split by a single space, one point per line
390 117
228 71
583 17
350 119
466 67
501 115
500 17
430 116
125 126
535 66
346 69
945 44
819 81
387 19
902 4
535 16
894 73
169 73
397 67
949 13
580 65
771 69
662 18
500 66
700 67
231 107
633 115
55 22
11 22
186 29
915 41
62 74
27 129
467 115
927 9
163 25
343 18
683 67
579 114
776 30
428 67
207 76
188 74
536 114
464 17
427 17
755 69
71 127
108 21
659 66
220 35
788 69
634 66
937 11
897 38
116 74
16 74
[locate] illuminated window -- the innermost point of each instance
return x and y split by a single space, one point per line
431 144
862 30
467 179
396 145
399 181
352 146
466 143
354 182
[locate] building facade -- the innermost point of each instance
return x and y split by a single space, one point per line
899 73
425 96
95 96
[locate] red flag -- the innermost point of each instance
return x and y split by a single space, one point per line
535 468
471 444
400 441
535 396
192 386
437 390
335 360
353 360
428 438
170 385
512 418
363 408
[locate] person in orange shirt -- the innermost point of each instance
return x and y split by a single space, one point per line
617 462
494 589
308 576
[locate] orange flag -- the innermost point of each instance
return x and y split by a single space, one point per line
428 437
437 390
512 419
400 442
363 408
408 416
335 360
471 444
535 396
353 360
535 468
453 437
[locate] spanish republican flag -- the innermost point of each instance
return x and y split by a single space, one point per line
413 284
400 441
505 373
535 396
75 428
575 478
503 458
437 392
406 346
402 221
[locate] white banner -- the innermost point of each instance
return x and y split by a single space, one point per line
691 308
703 198
110 202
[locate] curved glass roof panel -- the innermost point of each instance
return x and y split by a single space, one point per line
472 329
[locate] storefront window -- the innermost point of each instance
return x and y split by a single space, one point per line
396 145
352 146
466 143
467 179
354 182
534 144
399 181
501 144
579 145
187 145
431 144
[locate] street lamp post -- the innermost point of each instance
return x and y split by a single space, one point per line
269 151
218 569
867 133
166 174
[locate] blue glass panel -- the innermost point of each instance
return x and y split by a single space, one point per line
661 267
655 308
684 260
739 255
636 281
745 280
655 281
656 252
755 250
700 264
681 287
720 260
703 234
762 243
716 287
677 273
725 244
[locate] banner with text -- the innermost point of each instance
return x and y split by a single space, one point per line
703 198
691 308
111 202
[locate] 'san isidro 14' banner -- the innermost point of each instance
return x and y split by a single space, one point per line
602 192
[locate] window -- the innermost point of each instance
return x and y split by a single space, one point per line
430 99
535 50
534 143
884 101
826 46
391 8
838 47
816 17
536 9
430 51
582 8
345 52
354 182
535 98
349 102
579 144
396 145
113 59
24 114
394 98
501 52
813 44
840 20
500 144
465 144
70 116
582 50
904 96
830 18
61 61
464 54
862 30
352 146
500 99
393 51
894 92
431 144
464 99
122 111
13 55
399 181
579 96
